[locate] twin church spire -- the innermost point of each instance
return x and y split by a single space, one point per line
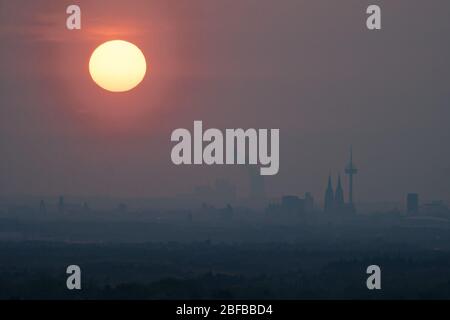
334 201
329 197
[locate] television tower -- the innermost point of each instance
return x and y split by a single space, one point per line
350 170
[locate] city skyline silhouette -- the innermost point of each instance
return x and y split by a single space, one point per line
334 85
359 177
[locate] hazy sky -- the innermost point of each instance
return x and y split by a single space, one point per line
309 68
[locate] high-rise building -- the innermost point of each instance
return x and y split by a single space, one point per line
292 205
329 197
412 203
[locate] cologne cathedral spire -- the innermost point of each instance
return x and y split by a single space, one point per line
329 197
339 196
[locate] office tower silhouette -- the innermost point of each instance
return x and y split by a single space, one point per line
412 203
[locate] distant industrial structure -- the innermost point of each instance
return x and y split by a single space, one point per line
292 205
435 208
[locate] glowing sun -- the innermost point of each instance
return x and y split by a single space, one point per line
117 66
